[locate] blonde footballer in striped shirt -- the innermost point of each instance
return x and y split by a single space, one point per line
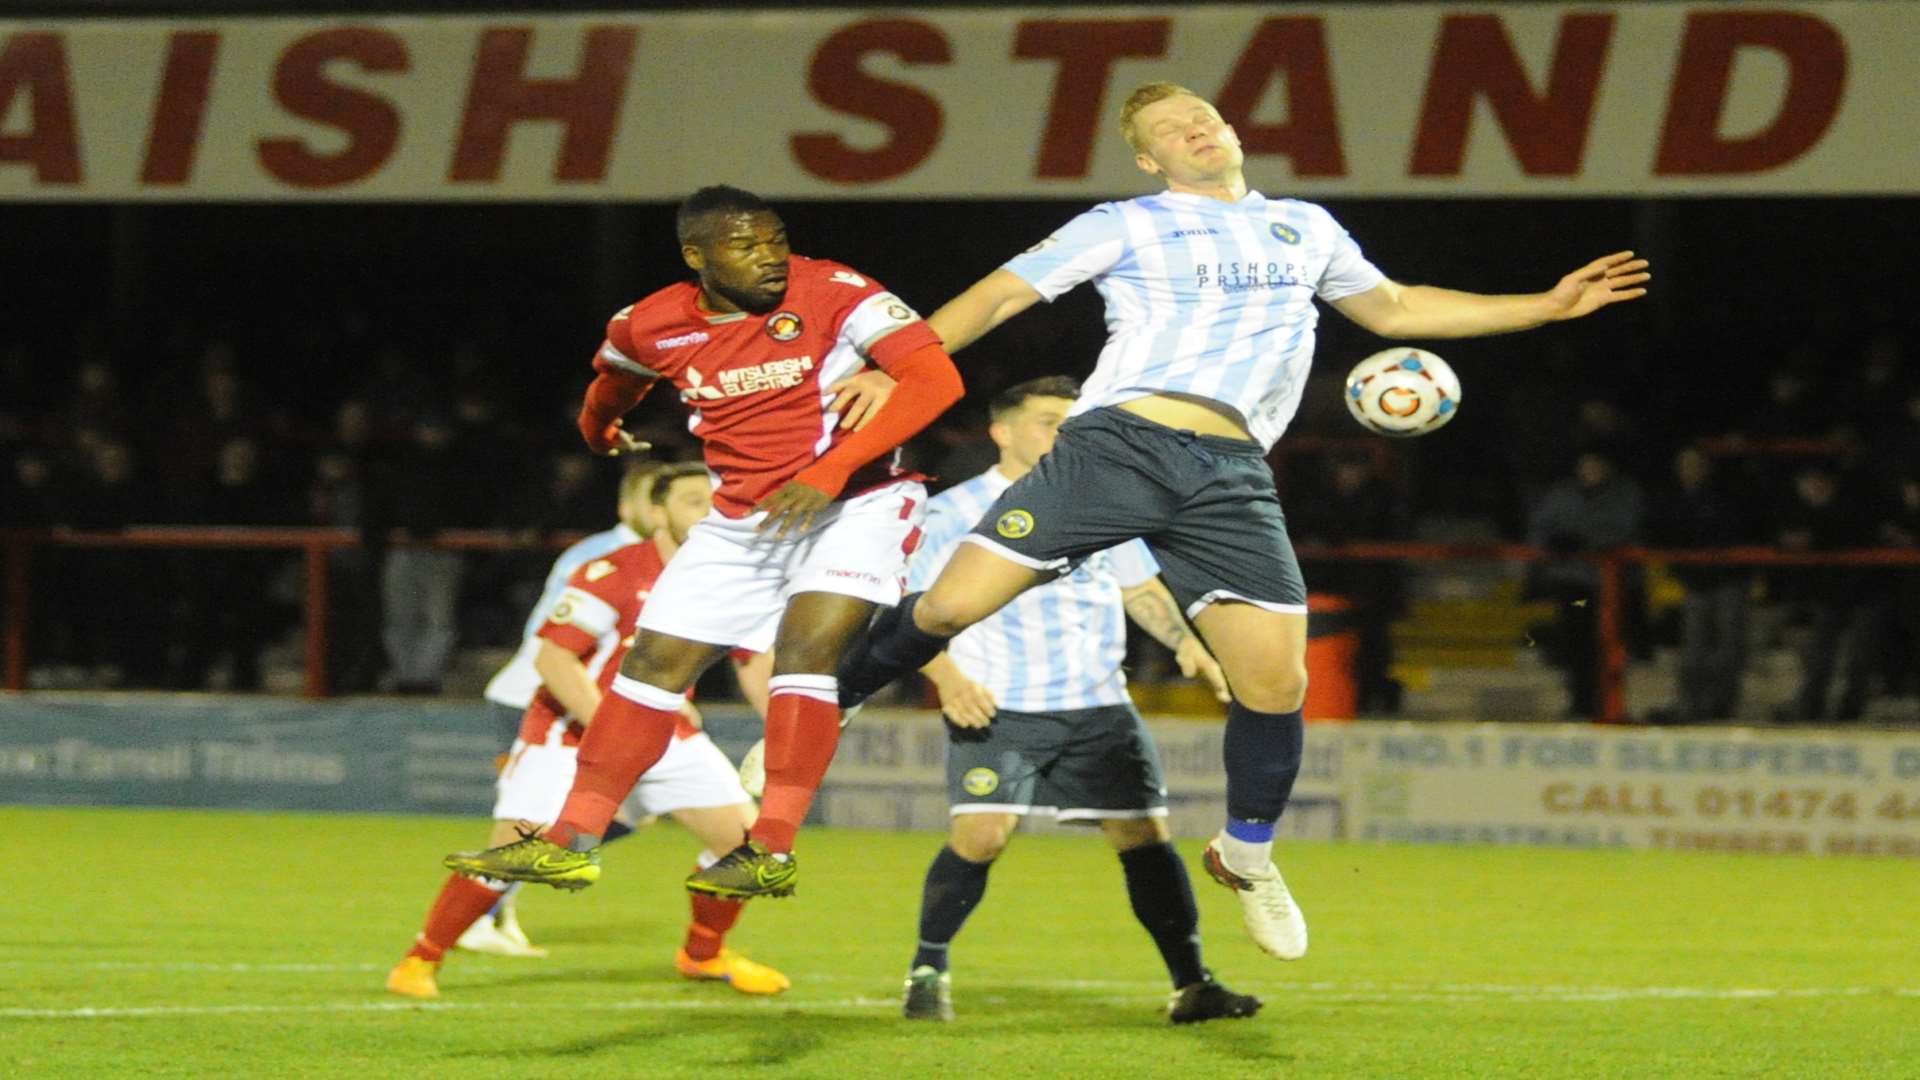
1209 289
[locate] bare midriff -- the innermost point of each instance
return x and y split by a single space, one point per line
1189 414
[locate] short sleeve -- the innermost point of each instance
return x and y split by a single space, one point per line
1348 272
579 620
1078 251
883 327
1132 564
940 535
619 353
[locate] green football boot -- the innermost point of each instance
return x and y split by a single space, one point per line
746 872
530 858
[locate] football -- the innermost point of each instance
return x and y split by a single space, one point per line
1403 392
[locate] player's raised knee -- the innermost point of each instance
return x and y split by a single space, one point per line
947 611
1277 689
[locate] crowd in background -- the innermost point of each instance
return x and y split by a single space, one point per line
400 371
1830 461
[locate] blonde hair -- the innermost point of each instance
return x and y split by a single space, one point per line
1144 95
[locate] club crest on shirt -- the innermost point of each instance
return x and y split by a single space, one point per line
980 781
598 569
1014 524
783 326
1286 234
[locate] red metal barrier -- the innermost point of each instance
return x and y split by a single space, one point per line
313 544
1611 657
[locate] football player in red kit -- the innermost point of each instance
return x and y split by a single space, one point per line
810 531
585 633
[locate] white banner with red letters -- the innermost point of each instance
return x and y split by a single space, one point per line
1636 99
1809 791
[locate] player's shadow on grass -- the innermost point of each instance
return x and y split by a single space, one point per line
760 1038
529 975
608 933
765 1035
1092 1011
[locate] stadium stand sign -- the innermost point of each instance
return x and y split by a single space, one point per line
1569 785
1394 100
1819 792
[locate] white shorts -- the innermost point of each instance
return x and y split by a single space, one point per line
691 775
727 585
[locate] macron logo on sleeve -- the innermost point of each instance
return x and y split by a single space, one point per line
695 338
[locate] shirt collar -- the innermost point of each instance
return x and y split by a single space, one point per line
1251 198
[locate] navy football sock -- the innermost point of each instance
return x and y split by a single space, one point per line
1162 897
892 647
1262 752
616 830
954 885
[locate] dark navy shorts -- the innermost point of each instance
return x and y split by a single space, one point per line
1084 765
1205 505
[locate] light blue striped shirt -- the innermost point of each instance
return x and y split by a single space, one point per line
1057 646
515 684
1204 297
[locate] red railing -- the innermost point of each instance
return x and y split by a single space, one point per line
315 544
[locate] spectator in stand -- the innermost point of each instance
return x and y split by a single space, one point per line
1354 501
218 411
1600 427
1698 508
1900 660
1835 600
1589 511
35 494
122 650
32 494
572 497
492 445
1876 394
337 498
425 490
229 615
1795 408
97 401
339 495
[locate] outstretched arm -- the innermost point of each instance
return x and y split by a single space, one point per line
1393 310
986 304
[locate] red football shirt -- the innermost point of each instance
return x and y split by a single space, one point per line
594 619
756 384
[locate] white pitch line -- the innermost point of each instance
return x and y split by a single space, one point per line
187 965
121 1012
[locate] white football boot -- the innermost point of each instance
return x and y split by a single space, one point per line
1273 920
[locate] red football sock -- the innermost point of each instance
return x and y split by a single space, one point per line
803 730
461 902
712 918
630 732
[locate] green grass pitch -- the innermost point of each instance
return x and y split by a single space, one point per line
173 943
